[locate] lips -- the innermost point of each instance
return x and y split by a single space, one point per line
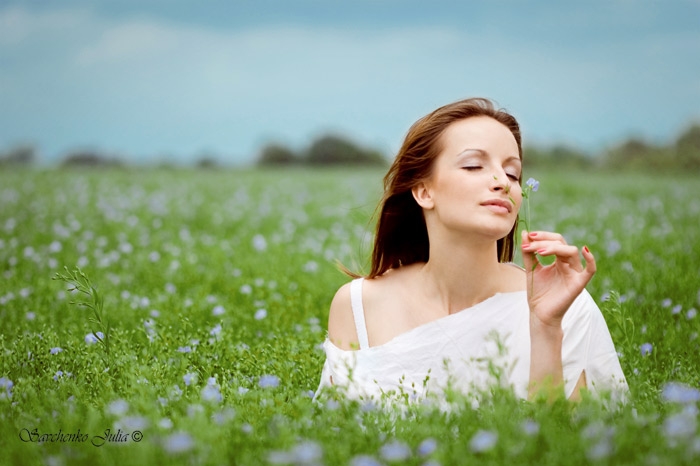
498 205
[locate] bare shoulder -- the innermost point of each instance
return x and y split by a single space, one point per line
514 277
341 322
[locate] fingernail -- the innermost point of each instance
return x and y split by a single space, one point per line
541 251
585 248
533 234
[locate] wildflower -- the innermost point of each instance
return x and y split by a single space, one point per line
307 452
259 243
224 416
154 256
211 393
178 442
7 384
675 392
395 451
646 349
55 350
170 288
680 425
613 247
311 267
483 440
91 338
269 381
30 315
247 428
242 390
364 460
189 378
165 423
118 407
691 313
533 184
155 313
216 331
666 302
530 427
58 375
176 392
260 314
184 349
427 446
676 309
218 310
131 423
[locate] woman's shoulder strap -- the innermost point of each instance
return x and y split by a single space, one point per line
358 312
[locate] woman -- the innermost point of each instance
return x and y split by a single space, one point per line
443 303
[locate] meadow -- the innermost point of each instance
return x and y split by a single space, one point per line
215 286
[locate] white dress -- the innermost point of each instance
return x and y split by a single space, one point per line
484 344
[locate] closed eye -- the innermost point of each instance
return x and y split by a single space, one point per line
472 168
513 177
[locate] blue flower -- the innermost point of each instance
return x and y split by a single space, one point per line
646 349
483 440
56 350
395 451
268 381
676 392
178 442
427 447
533 184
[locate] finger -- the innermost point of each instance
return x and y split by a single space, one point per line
529 259
546 236
564 253
590 261
537 245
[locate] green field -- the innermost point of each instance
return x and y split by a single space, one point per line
217 285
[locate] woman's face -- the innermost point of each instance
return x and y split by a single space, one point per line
474 183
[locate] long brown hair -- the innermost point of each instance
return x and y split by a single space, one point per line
401 236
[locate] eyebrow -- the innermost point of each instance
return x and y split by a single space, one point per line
482 153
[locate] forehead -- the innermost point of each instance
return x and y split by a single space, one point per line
480 132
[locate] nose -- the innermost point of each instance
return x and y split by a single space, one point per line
500 184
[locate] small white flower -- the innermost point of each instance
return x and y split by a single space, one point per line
260 314
246 289
30 315
218 310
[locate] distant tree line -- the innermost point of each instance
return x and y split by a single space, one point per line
325 151
331 150
632 154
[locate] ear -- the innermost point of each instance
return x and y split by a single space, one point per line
423 196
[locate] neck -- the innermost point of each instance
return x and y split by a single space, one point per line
460 274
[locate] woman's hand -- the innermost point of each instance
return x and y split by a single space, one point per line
552 288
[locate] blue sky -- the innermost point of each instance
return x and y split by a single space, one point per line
175 79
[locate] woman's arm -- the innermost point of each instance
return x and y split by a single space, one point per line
551 290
